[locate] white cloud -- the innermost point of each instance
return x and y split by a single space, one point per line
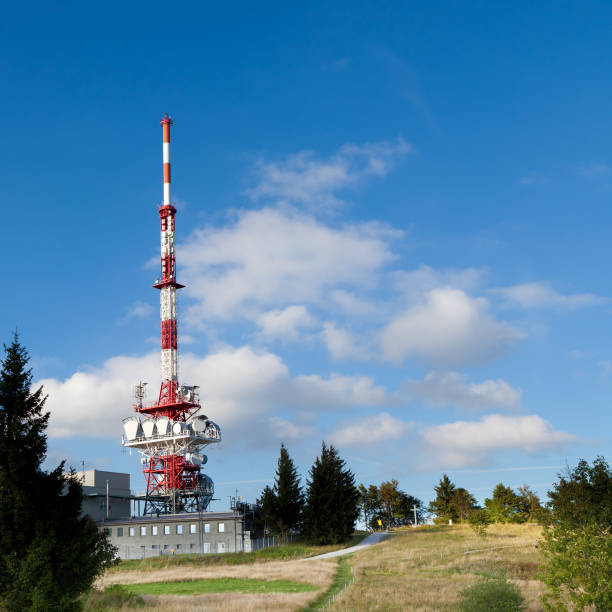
454 389
466 443
419 282
370 430
285 430
238 388
542 295
304 180
138 310
337 392
236 385
285 324
449 329
341 343
273 258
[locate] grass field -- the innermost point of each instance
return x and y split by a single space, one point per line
424 569
428 568
220 585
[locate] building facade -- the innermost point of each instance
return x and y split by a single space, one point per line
106 495
175 534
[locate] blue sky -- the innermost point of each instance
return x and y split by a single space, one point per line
393 224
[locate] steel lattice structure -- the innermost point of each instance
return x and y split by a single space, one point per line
169 433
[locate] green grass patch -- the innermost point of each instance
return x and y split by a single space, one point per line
343 577
220 585
298 550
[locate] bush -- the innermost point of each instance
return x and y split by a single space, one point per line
492 596
479 521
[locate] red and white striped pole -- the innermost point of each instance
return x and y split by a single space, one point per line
167 283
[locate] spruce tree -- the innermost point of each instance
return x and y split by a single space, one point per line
332 499
442 506
266 509
49 552
288 493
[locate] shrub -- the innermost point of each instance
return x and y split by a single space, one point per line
492 596
479 521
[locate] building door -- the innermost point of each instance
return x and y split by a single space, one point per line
220 547
206 547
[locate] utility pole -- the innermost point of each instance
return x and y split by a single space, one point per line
107 497
414 509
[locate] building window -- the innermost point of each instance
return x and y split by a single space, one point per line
132 532
206 547
192 528
192 546
119 532
221 546
165 546
221 528
154 530
154 546
108 531
179 546
206 527
179 529
143 531
166 529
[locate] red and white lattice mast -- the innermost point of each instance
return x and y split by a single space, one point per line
169 433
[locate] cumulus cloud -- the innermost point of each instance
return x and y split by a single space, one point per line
416 283
285 324
466 443
238 387
448 329
370 430
454 389
337 392
270 258
304 180
341 343
542 295
284 429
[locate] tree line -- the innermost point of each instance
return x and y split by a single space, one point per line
505 505
325 513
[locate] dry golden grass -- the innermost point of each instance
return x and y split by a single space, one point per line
426 569
317 572
232 602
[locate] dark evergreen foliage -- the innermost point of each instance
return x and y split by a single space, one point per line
442 506
266 511
288 493
332 499
49 553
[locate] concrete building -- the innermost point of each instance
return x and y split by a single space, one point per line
107 495
114 507
172 534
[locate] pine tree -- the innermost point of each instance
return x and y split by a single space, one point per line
442 506
504 506
289 496
266 509
49 552
332 499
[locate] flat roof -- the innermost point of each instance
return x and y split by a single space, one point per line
173 518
